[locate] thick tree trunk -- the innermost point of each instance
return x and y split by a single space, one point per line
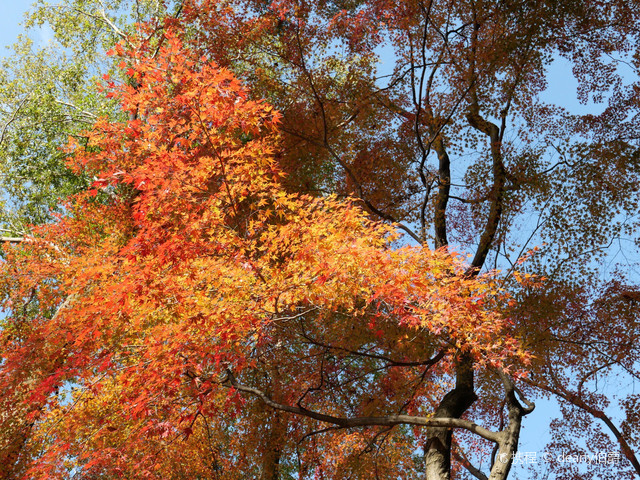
438 448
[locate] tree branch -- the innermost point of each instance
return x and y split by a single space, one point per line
390 361
579 402
464 461
12 239
343 422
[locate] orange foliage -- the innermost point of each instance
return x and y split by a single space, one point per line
187 261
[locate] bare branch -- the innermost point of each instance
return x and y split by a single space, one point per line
12 239
392 362
112 25
90 115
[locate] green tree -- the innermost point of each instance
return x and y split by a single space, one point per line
49 92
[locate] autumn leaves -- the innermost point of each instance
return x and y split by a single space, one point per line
186 261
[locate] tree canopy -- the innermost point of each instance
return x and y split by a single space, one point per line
237 239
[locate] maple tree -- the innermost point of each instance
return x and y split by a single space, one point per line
452 144
187 273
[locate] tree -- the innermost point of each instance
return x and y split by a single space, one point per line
455 145
49 93
186 274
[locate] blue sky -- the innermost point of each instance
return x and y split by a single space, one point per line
10 21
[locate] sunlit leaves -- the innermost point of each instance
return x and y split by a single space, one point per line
185 258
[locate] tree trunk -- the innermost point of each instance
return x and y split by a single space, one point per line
438 448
